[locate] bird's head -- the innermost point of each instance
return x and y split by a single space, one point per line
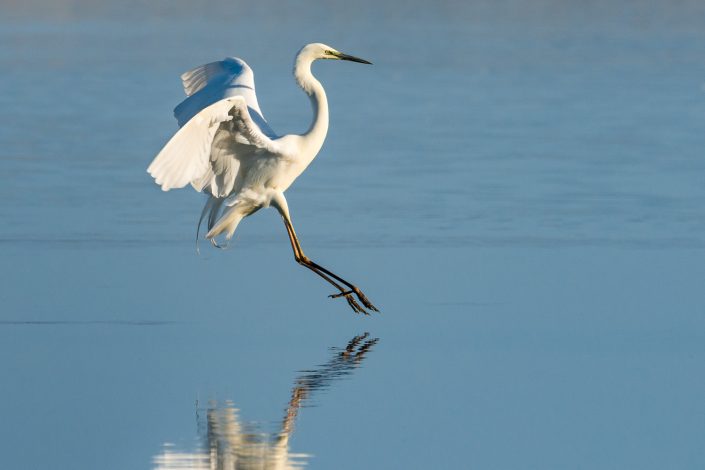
317 51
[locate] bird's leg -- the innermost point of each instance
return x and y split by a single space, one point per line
303 260
299 257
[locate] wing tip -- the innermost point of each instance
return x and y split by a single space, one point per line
158 179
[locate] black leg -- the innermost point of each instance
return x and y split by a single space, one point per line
303 260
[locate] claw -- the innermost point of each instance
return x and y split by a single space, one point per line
340 294
365 301
357 308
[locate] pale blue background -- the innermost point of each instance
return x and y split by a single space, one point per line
519 186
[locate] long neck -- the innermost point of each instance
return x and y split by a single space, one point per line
316 134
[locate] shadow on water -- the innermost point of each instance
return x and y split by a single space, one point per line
228 443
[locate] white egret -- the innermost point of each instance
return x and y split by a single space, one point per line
226 148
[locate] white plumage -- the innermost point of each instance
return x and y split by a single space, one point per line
226 148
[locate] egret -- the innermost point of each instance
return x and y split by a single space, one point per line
225 148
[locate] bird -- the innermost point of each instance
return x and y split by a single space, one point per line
226 149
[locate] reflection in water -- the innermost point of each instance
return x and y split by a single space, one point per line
227 443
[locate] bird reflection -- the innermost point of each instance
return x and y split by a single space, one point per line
229 444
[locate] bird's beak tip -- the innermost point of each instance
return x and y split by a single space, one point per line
352 58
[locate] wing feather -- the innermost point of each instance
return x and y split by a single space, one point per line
215 81
197 78
208 150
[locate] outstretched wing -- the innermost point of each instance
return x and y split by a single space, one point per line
213 82
209 149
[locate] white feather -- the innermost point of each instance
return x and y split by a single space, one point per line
226 148
209 149
215 81
195 79
185 157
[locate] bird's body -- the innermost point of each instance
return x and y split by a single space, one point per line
227 149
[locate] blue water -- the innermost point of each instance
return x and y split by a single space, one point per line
517 185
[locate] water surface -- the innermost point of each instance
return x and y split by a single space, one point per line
517 185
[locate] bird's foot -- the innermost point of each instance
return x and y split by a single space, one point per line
341 294
365 301
357 308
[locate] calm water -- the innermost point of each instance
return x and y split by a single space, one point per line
519 186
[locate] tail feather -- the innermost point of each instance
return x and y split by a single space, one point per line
212 208
223 217
215 212
225 224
